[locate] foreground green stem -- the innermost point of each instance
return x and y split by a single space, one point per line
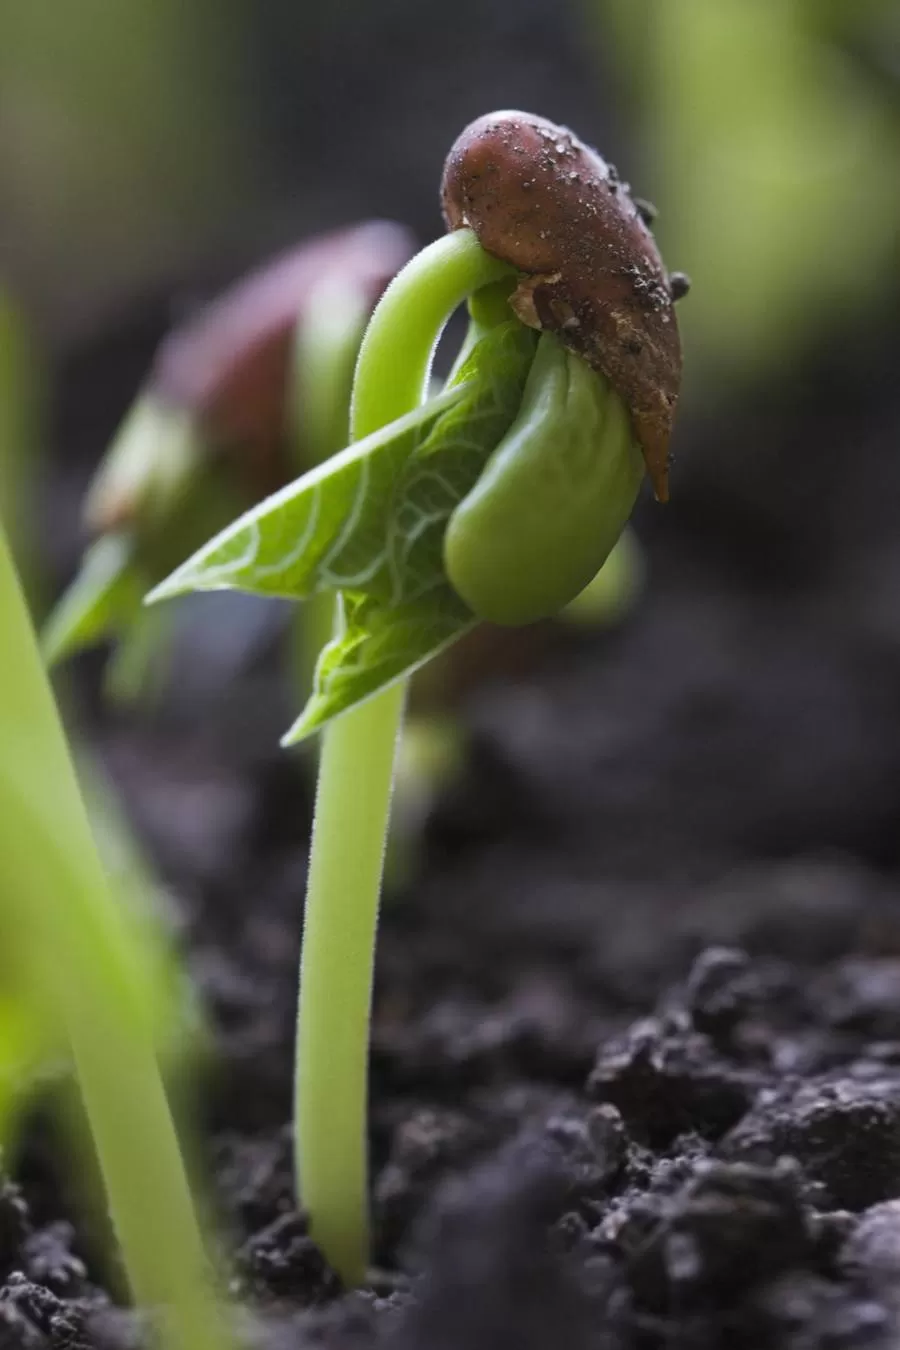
353 805
352 811
72 938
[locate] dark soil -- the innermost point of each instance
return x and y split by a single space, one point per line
636 1045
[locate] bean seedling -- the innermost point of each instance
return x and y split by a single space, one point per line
83 973
497 499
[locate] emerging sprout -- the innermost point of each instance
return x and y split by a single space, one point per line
497 498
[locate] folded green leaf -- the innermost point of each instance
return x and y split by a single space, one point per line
369 524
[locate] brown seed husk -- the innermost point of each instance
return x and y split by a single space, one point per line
541 200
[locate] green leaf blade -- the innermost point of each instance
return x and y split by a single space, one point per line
318 532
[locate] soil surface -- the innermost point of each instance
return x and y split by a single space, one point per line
636 1043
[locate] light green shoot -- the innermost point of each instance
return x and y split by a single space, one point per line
353 804
76 950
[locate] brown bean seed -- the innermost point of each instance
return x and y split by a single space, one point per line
540 199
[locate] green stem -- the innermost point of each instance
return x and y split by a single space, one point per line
352 808
353 805
77 950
